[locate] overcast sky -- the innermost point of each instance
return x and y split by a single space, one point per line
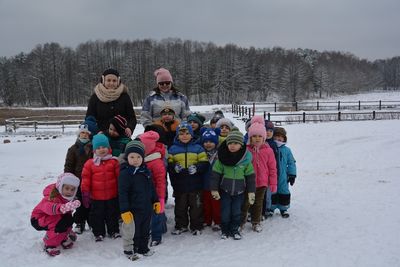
367 28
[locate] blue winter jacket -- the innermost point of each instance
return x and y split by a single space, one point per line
287 166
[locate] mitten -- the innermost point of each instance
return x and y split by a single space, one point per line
291 179
157 207
127 217
252 197
215 195
86 199
192 169
162 205
273 188
178 168
70 206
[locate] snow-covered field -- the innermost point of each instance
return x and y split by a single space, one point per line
344 208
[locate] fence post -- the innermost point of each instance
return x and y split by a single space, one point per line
338 105
242 111
14 126
339 115
269 116
296 105
304 117
245 111
254 108
35 126
373 115
274 106
265 114
250 113
380 104
317 105
359 105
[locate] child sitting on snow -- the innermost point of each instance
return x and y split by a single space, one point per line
54 213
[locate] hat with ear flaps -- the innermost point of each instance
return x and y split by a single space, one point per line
69 179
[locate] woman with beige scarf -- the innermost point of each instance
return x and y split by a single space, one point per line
110 98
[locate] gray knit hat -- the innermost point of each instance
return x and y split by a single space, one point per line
134 146
234 136
224 121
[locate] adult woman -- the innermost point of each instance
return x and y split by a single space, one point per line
110 98
164 95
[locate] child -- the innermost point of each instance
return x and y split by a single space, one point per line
154 160
187 163
211 207
116 135
196 120
99 189
137 199
233 174
226 126
287 173
54 213
264 165
76 157
169 123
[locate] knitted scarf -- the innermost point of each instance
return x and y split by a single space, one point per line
97 160
108 95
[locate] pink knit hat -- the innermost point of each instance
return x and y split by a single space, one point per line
163 75
149 140
257 129
258 118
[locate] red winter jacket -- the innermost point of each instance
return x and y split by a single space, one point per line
101 181
155 162
264 164
47 213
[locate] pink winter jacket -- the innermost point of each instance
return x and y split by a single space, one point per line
264 165
47 212
155 162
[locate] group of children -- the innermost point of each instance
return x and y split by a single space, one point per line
219 177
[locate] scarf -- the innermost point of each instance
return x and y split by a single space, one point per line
228 158
97 159
279 143
109 95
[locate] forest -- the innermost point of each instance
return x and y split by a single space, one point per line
54 76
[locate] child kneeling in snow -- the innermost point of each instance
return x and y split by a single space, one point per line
54 213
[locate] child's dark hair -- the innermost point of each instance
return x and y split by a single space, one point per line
54 193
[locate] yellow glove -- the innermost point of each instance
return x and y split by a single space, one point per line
157 207
127 217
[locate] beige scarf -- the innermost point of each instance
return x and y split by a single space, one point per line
108 95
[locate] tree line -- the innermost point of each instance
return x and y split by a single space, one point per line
52 75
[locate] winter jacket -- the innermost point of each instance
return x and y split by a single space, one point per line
212 158
117 144
101 181
136 190
103 111
170 130
186 155
287 166
76 157
156 164
264 164
233 175
156 101
46 215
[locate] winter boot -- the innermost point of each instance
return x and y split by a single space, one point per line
67 244
284 214
179 231
155 243
237 236
257 227
99 238
131 256
52 251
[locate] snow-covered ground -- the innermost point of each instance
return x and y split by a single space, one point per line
344 208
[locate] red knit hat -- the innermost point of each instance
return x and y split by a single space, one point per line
149 140
163 75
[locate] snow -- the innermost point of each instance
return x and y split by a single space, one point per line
343 212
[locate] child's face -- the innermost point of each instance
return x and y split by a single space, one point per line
167 117
213 125
279 138
112 131
194 125
68 190
256 140
84 135
270 134
234 147
101 151
184 136
225 130
135 159
208 145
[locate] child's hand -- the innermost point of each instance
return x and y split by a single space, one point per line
291 179
70 206
215 195
157 207
192 169
127 217
178 168
252 197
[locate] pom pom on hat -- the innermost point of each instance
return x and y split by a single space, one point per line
149 140
163 75
258 119
134 146
69 179
100 140
120 124
234 136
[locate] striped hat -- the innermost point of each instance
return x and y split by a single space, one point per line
134 146
234 136
120 124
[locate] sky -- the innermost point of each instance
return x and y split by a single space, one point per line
366 28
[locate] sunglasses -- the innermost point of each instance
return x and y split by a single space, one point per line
164 83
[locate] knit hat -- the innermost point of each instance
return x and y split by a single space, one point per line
149 140
67 178
110 71
167 109
280 131
219 114
224 121
269 125
234 136
196 117
100 140
90 121
163 75
257 129
120 124
209 135
83 127
184 125
134 146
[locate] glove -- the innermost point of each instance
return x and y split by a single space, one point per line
127 217
252 197
215 195
291 179
273 188
162 205
192 169
178 168
157 207
70 206
86 199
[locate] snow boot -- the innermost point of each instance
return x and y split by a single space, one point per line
284 214
52 251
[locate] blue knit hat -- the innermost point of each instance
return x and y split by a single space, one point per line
209 135
184 125
90 121
100 140
196 117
